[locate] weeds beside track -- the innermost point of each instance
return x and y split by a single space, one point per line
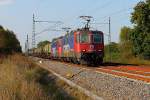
22 79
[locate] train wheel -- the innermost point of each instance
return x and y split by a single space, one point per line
100 62
83 62
74 60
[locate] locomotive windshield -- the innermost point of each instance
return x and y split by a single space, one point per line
84 38
97 38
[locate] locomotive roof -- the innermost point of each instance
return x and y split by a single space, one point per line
81 30
87 29
57 38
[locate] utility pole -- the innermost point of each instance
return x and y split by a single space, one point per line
109 39
33 32
27 46
34 26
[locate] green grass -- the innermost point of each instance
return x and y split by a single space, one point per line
125 59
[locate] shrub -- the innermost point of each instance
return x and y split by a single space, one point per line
8 42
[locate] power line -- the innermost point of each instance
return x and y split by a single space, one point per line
50 28
45 30
102 6
80 10
120 18
111 14
48 21
120 11
91 10
33 28
116 12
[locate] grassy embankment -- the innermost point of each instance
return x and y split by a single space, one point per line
122 58
21 79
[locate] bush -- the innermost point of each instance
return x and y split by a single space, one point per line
8 42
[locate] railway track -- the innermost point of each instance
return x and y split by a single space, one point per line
109 82
141 73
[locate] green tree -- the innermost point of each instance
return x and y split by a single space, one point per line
8 41
114 49
2 39
42 44
140 36
125 45
125 34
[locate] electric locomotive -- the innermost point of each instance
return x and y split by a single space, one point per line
82 46
89 46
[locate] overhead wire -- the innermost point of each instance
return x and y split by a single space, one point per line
100 8
90 10
70 18
117 12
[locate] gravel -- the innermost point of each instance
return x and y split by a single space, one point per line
105 85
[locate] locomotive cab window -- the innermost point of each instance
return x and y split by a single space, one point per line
97 38
84 38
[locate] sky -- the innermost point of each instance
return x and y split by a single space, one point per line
16 15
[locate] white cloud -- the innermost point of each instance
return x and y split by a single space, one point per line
6 2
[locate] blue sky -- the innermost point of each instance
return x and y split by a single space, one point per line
16 15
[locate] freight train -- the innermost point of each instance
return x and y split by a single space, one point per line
42 52
82 46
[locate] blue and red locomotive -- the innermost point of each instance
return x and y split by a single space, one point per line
81 46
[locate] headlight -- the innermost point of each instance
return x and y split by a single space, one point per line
83 50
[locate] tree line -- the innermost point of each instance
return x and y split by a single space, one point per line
8 42
139 35
135 40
